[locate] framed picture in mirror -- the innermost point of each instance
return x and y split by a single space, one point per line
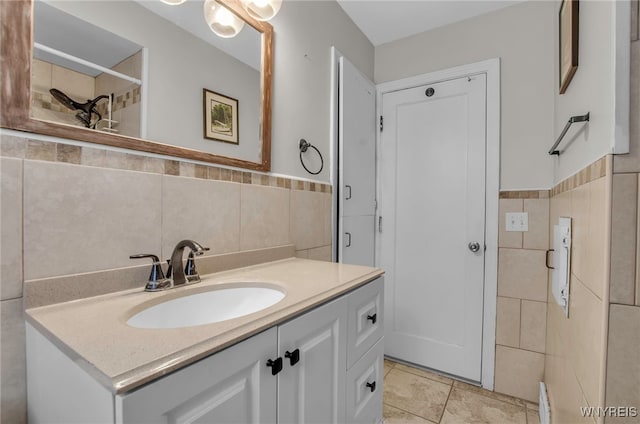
220 117
568 41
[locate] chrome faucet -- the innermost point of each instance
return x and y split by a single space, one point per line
177 270
177 275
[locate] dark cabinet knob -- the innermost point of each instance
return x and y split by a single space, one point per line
373 318
294 357
372 386
275 364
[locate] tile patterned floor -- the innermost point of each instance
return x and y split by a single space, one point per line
417 396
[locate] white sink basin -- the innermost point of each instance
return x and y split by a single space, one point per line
207 307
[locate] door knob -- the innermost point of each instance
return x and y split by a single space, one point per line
474 246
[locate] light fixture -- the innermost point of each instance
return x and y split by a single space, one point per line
262 10
221 20
173 2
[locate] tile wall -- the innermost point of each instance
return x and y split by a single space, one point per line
623 350
522 294
576 346
75 214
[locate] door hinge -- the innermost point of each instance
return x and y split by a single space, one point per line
380 224
381 123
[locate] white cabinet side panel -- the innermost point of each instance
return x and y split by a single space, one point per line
58 390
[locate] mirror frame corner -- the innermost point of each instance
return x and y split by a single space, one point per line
16 51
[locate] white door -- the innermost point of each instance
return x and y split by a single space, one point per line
311 385
432 188
357 162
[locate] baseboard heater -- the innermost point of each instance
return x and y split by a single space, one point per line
545 415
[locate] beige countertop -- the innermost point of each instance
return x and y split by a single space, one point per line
95 334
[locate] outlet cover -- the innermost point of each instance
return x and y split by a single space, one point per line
517 221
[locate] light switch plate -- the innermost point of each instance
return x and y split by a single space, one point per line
517 221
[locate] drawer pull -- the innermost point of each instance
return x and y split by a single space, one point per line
275 364
372 386
373 318
294 357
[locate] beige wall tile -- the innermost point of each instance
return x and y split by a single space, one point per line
264 217
563 389
304 254
624 215
40 75
509 238
533 326
508 322
598 247
78 86
308 219
522 274
538 235
101 218
328 218
623 365
206 211
11 234
320 253
518 372
579 230
13 388
585 338
11 146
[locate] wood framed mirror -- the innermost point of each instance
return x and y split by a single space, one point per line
17 65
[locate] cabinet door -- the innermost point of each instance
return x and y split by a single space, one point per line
364 387
312 390
358 240
231 386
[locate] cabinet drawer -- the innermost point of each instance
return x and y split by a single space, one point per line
365 325
364 387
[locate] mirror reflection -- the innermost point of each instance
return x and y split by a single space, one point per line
141 68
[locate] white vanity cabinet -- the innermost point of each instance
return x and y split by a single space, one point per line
331 372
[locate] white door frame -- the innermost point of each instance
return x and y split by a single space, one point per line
491 68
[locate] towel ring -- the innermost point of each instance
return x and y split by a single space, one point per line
304 146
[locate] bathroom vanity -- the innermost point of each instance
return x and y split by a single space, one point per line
315 356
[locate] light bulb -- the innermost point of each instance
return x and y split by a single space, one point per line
173 2
262 10
221 20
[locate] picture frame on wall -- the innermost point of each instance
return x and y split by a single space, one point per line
568 41
220 117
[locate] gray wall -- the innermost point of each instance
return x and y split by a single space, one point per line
521 36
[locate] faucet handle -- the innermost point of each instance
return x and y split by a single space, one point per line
190 271
157 280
